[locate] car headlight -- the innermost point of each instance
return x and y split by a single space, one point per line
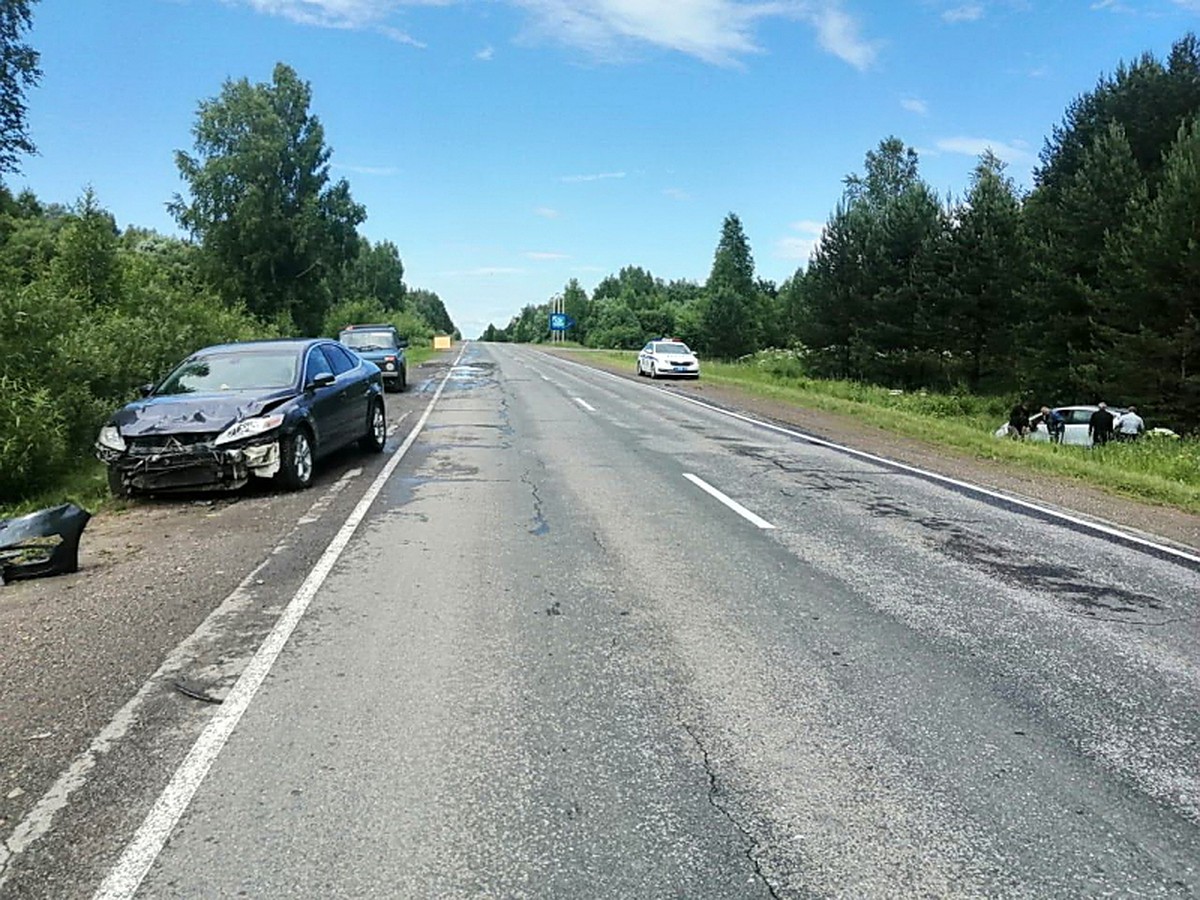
248 428
110 437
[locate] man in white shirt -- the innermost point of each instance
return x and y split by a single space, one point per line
1130 425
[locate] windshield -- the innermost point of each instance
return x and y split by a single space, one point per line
369 340
674 349
233 372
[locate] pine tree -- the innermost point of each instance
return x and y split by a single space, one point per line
731 316
988 268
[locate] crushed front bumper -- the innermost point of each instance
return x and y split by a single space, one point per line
197 466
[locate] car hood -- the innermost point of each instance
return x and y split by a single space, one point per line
376 355
192 413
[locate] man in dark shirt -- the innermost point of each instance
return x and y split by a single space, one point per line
1100 425
1018 421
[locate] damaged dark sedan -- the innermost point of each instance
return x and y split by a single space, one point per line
259 409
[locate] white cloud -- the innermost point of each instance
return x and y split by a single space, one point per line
1014 152
348 14
970 12
799 247
915 105
716 31
546 212
677 194
541 255
838 33
486 54
366 170
600 176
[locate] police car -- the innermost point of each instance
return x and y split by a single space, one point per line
663 357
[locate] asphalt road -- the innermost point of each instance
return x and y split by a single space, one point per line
593 640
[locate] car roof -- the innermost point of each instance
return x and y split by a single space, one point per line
368 327
266 345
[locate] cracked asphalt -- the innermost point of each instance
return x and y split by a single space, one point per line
548 665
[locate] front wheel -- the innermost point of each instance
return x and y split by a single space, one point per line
116 484
653 370
296 466
376 437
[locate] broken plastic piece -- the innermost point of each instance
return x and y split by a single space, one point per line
41 543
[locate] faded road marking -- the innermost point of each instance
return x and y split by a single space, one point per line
584 404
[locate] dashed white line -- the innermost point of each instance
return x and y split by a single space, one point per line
757 521
392 428
584 404
141 852
326 500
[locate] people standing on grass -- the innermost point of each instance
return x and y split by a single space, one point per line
1130 425
1018 421
1055 424
1100 425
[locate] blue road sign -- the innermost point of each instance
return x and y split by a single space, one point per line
561 322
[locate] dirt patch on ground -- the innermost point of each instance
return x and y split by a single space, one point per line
1160 522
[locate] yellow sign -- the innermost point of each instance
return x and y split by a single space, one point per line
441 342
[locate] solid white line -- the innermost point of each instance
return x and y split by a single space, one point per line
1098 527
139 855
728 501
584 404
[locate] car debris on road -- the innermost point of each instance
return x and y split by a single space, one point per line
41 543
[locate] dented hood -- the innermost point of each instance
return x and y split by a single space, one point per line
192 413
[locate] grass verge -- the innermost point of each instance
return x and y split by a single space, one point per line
1156 470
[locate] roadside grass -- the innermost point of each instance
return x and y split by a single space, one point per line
418 355
1158 470
84 485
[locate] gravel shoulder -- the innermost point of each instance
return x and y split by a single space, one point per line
1159 522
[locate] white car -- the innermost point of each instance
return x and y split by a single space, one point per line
1075 425
668 357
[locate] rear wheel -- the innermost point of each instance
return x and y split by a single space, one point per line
376 437
296 466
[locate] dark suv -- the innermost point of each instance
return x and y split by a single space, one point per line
382 345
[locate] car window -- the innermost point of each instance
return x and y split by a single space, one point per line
377 339
339 359
674 348
317 365
234 371
1079 416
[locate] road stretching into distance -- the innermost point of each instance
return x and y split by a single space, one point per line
591 639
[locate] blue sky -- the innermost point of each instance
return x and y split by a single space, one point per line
508 145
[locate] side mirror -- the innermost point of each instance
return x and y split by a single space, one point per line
322 379
147 389
402 343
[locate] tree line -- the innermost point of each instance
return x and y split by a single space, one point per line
1086 287
88 310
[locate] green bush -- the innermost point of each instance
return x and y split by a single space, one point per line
33 439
